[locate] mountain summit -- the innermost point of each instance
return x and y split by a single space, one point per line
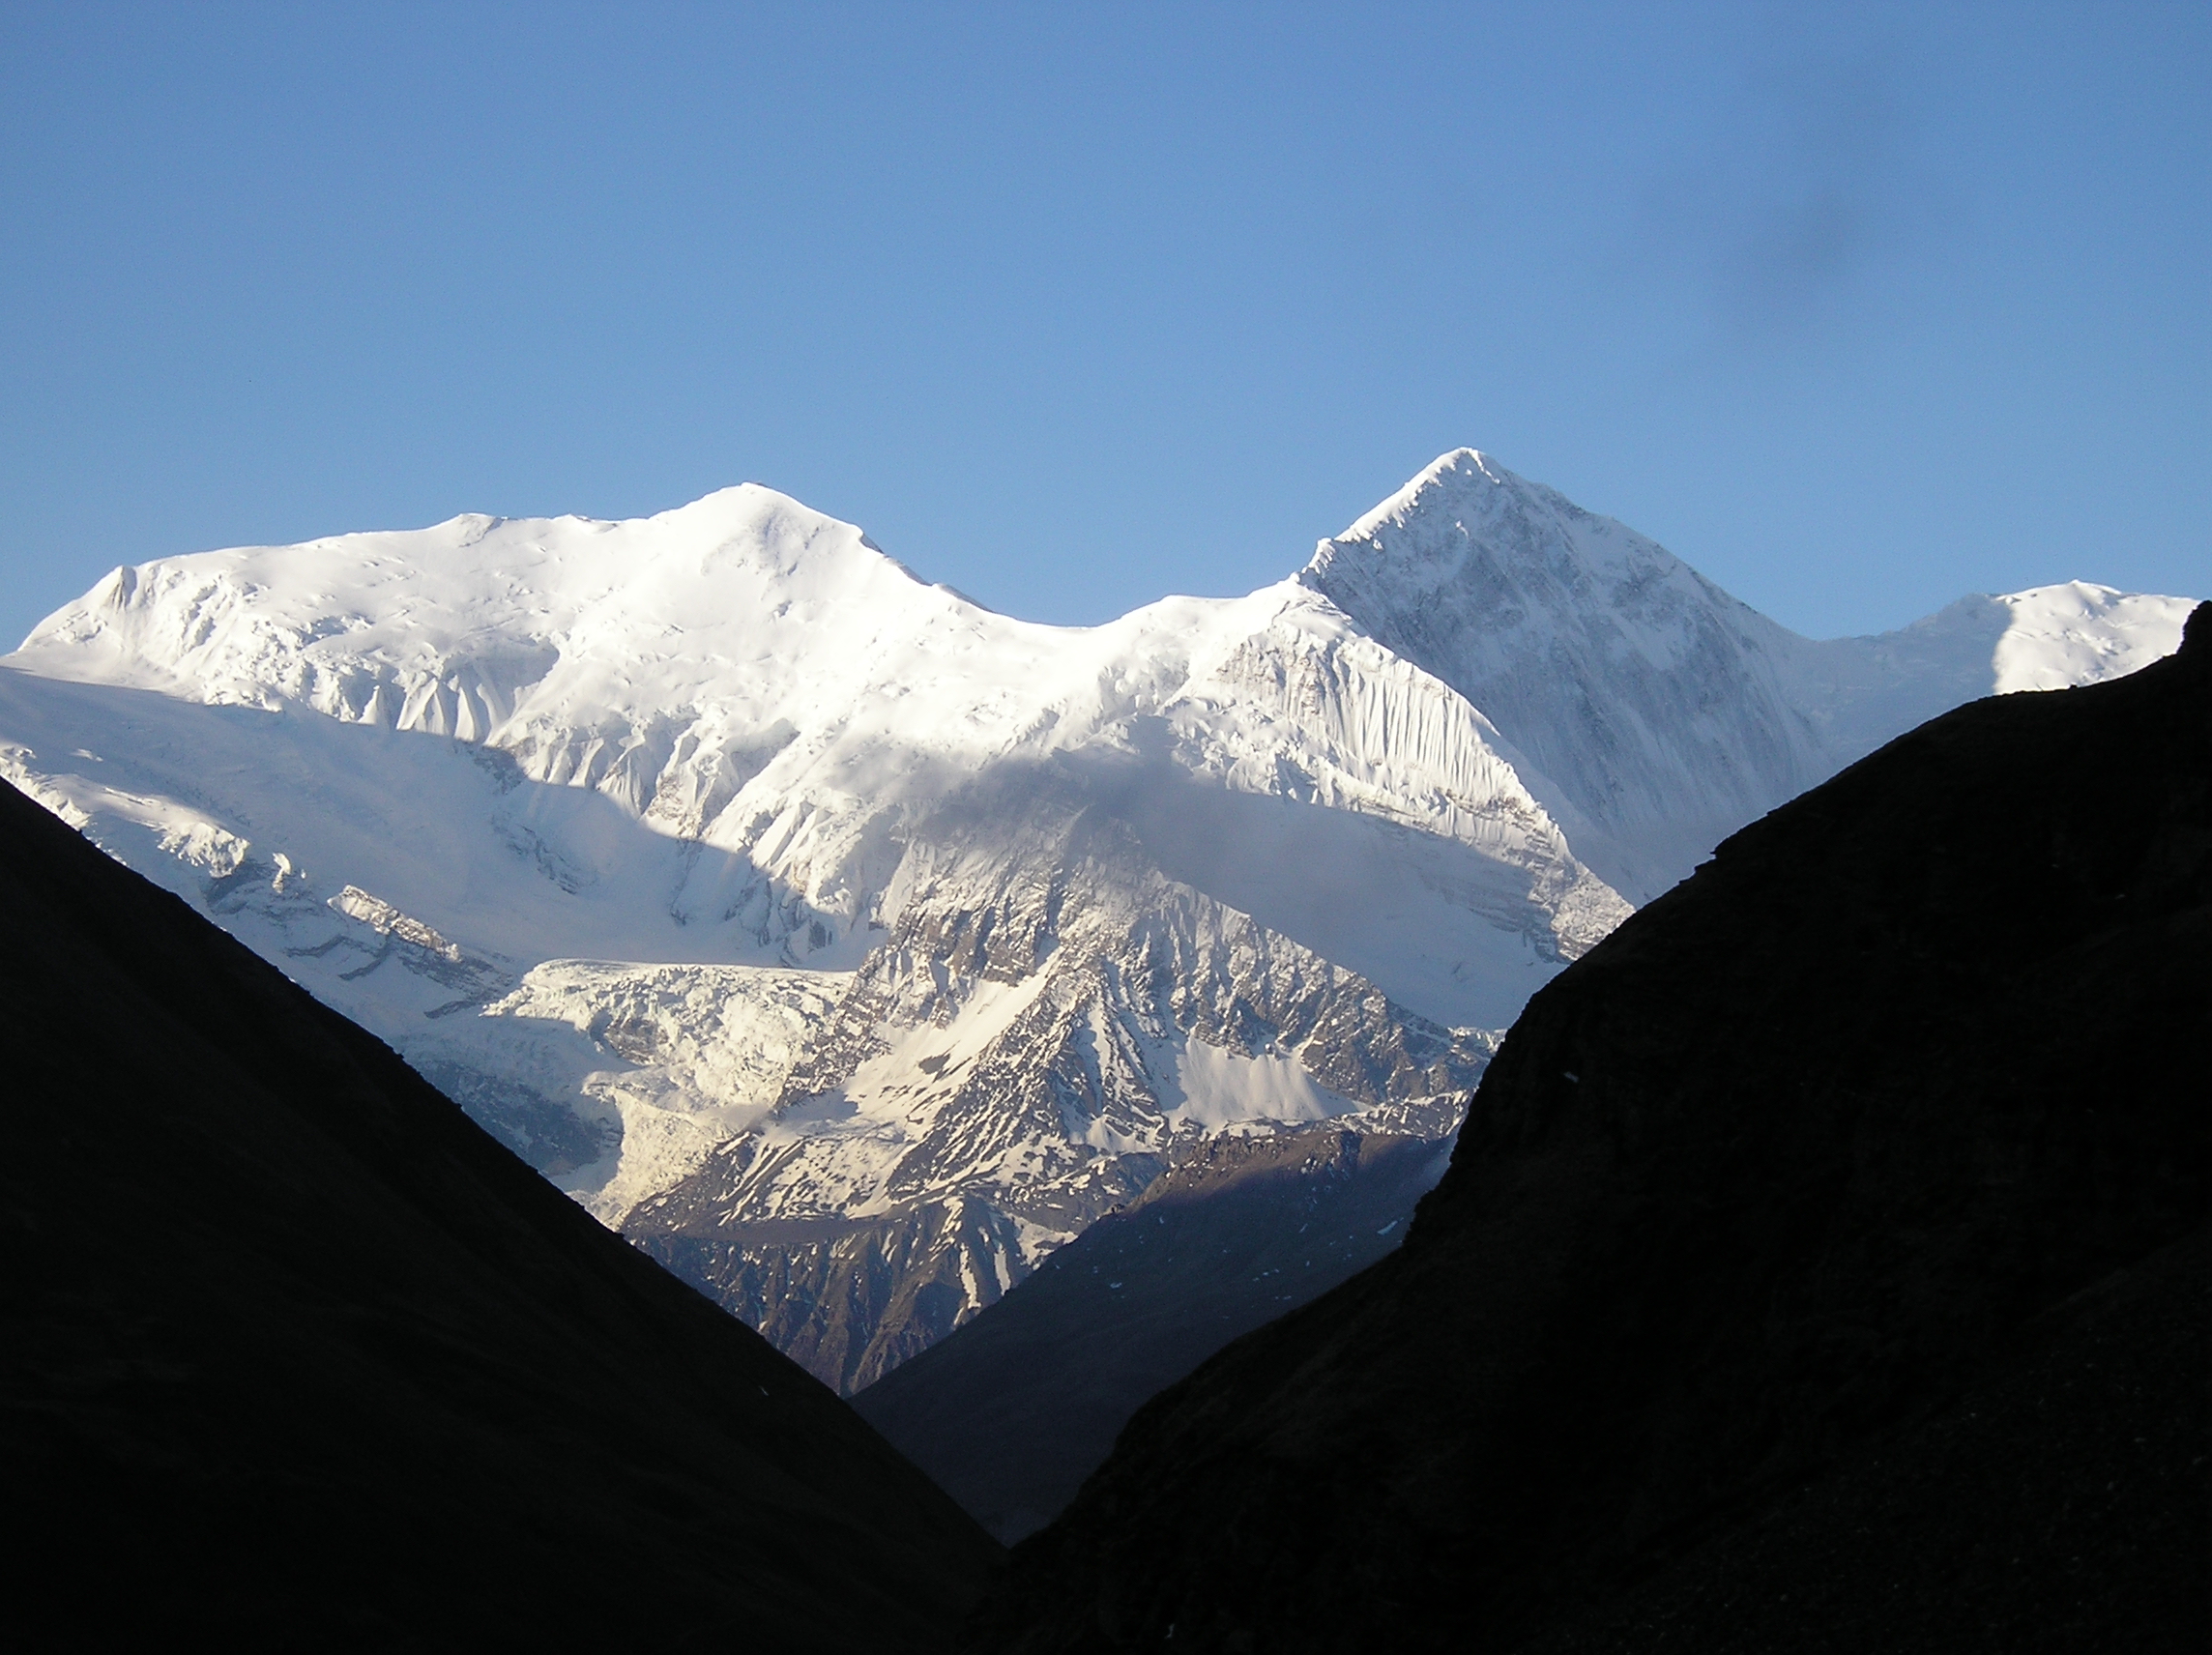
853 947
1663 710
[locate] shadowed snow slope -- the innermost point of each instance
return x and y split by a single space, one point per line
795 913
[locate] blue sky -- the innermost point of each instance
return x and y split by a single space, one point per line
1857 310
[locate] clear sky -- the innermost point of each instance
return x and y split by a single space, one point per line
1070 307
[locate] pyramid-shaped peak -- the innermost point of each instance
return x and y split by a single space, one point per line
1455 484
1462 502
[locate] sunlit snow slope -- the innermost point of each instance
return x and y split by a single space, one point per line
864 944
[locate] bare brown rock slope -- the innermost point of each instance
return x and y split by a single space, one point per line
1821 1266
291 1351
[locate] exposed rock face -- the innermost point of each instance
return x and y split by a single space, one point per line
291 1351
1065 1075
1772 1191
852 1299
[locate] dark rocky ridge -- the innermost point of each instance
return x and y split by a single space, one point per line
290 1350
1793 1211
2057 1504
1015 1408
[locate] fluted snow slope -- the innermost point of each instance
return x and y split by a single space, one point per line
1655 713
865 943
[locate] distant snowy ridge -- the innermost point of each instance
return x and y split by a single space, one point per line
869 944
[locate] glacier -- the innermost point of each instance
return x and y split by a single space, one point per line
852 945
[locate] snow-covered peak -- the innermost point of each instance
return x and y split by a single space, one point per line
759 679
1465 506
2077 632
1647 708
244 623
1438 483
1600 656
1471 569
1859 692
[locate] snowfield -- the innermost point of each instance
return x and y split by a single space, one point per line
868 944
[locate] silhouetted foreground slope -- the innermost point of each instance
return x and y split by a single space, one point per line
1011 1411
291 1351
1770 1301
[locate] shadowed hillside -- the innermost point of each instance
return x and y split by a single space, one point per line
1822 1264
1014 1410
291 1352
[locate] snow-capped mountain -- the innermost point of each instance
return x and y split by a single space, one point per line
1651 712
860 945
